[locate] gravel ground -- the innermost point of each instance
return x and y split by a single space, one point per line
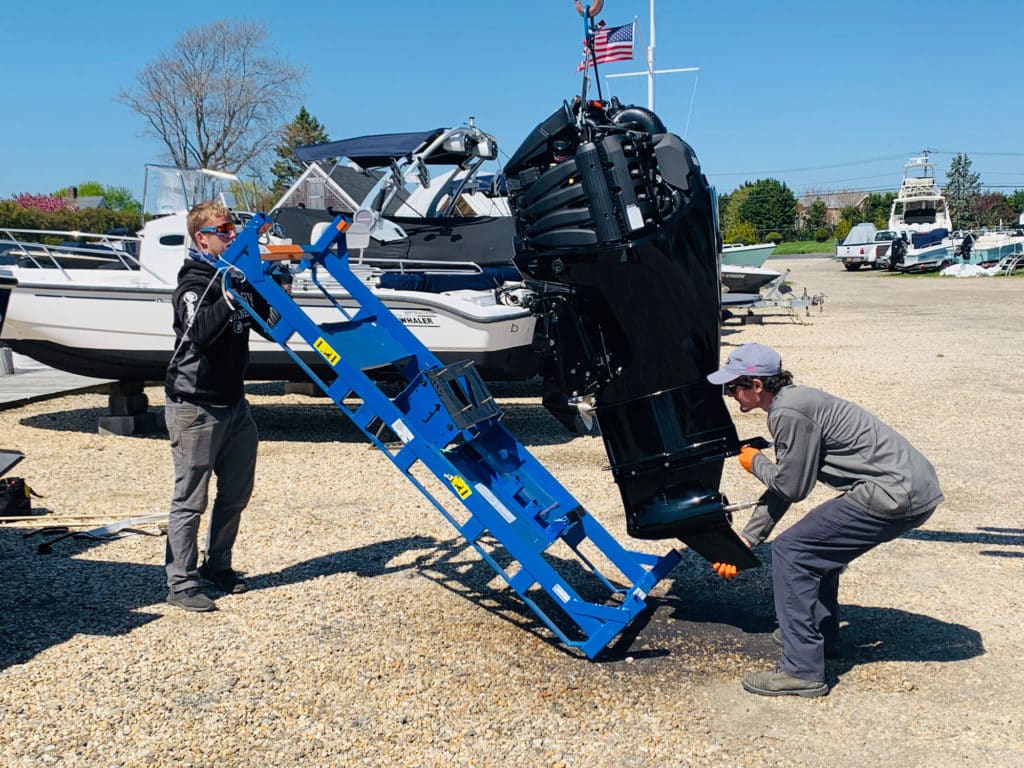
373 637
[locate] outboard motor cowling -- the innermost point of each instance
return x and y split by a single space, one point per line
616 231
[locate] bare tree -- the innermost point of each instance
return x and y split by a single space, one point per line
218 99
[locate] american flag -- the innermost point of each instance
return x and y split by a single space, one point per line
610 44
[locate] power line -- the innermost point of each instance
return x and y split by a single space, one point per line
817 167
867 161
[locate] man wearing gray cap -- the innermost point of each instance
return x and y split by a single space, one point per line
887 487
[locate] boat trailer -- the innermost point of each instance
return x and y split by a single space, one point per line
775 295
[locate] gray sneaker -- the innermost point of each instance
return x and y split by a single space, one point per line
833 648
780 683
191 599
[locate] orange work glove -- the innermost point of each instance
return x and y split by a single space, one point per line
746 457
725 570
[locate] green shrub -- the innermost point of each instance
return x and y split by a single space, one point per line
741 232
821 235
774 237
88 220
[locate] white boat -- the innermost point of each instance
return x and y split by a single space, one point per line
414 195
115 321
986 248
739 255
920 216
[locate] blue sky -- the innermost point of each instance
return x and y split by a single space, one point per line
821 95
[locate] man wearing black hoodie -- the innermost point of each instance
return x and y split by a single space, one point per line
208 419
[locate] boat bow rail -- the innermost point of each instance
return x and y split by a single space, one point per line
443 431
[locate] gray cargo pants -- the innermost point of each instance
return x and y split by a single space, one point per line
207 440
806 562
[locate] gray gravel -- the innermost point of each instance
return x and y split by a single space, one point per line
373 637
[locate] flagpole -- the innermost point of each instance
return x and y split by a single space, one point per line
650 65
651 71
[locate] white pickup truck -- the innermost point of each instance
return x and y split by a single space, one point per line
867 245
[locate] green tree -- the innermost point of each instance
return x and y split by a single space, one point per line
876 208
90 189
842 230
769 205
962 189
1016 202
727 207
304 129
993 210
816 216
121 199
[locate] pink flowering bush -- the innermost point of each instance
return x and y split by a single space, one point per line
44 203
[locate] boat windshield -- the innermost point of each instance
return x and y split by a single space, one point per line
169 189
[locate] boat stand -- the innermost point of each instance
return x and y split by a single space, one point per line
443 432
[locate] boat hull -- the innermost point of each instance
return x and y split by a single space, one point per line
927 259
514 364
126 333
747 279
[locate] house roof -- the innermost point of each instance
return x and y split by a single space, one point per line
91 201
834 200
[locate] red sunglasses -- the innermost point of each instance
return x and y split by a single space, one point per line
227 228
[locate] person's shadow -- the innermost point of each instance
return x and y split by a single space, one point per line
738 617
48 599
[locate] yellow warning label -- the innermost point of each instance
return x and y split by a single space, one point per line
461 486
327 351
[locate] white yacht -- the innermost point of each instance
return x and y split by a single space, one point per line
920 217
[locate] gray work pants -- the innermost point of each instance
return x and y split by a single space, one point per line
806 562
207 440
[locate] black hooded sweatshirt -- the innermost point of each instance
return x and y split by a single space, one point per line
211 339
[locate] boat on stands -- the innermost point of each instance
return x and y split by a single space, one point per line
100 305
920 216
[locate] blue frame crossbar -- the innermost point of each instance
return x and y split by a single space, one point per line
446 420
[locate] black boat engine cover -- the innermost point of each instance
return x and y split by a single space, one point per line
616 230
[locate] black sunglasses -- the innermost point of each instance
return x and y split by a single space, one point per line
741 383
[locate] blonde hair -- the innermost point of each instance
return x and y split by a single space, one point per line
202 213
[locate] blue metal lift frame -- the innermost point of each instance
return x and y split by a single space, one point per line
447 420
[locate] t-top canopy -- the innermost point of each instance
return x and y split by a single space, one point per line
379 150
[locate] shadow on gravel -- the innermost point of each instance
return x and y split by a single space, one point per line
708 622
1006 537
46 600
871 634
702 622
369 561
318 420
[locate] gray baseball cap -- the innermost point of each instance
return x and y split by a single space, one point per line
748 360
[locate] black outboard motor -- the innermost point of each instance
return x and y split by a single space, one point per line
616 230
